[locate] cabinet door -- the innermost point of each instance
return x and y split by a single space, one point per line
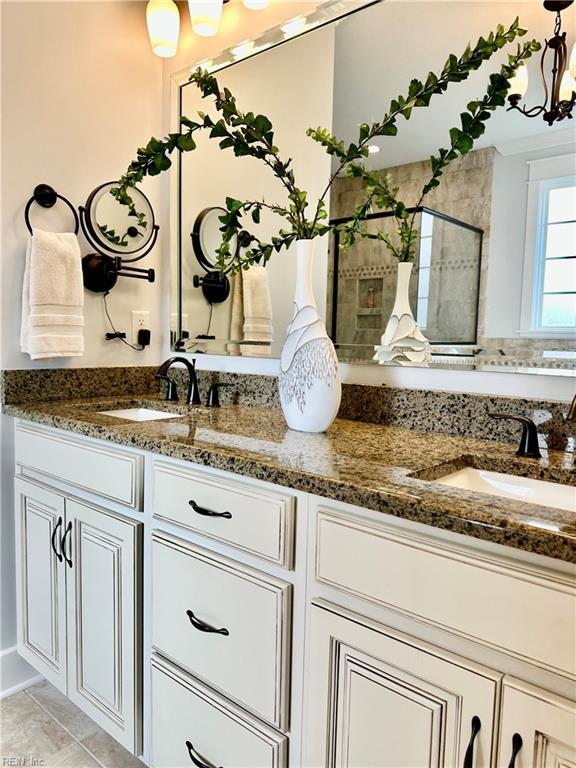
104 621
41 578
537 729
379 699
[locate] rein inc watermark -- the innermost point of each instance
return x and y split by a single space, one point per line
19 761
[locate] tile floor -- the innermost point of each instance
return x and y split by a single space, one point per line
41 727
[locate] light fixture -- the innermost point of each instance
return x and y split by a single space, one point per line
163 20
373 149
242 50
560 96
294 26
205 16
256 5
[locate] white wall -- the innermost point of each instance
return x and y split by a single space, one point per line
81 90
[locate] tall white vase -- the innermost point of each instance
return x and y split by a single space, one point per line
403 343
309 381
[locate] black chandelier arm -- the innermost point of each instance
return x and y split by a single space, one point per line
533 112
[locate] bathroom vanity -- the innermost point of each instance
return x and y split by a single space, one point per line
203 587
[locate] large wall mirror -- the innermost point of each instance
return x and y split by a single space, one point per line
494 282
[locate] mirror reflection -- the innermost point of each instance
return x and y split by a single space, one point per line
494 275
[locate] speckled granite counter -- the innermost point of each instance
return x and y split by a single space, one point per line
387 469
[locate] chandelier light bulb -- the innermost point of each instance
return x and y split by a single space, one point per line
572 65
519 83
567 86
163 21
205 16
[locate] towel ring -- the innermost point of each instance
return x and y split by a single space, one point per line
46 196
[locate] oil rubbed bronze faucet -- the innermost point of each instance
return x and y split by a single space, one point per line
171 391
528 447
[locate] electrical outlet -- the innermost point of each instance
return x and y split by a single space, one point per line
139 320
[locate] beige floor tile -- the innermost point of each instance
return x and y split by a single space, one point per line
62 710
73 756
13 712
108 752
29 733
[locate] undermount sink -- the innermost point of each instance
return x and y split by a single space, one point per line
140 414
512 487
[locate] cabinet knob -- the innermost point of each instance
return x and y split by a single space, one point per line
63 544
469 756
196 760
208 512
516 747
201 626
53 542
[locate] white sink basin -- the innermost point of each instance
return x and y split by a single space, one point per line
140 414
512 487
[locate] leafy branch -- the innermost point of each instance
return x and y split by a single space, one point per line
419 94
379 192
249 134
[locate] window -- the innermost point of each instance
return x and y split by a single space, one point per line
554 297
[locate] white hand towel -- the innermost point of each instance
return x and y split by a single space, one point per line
52 297
237 314
257 311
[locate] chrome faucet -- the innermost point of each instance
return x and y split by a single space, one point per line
528 447
193 397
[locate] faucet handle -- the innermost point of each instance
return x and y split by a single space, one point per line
213 400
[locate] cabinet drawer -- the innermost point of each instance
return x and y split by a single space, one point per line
184 712
248 658
109 472
255 520
505 604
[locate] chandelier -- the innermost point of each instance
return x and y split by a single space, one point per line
560 94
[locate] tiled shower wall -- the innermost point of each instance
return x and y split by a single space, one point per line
465 194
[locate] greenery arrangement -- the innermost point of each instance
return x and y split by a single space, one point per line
249 134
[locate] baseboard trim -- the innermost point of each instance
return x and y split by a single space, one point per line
15 674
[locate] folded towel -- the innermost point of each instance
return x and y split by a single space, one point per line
237 314
52 297
257 312
251 313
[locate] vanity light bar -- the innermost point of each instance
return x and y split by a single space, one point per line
323 14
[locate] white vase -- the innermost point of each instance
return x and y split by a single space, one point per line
309 380
403 343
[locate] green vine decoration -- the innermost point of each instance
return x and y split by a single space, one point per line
249 134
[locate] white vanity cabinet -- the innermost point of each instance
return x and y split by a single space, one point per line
41 581
209 619
380 699
537 729
79 601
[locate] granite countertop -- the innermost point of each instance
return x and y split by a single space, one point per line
387 469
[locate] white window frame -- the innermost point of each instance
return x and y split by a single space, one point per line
544 175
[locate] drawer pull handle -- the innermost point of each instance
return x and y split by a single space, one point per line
208 512
516 747
469 756
203 627
52 540
196 760
63 544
